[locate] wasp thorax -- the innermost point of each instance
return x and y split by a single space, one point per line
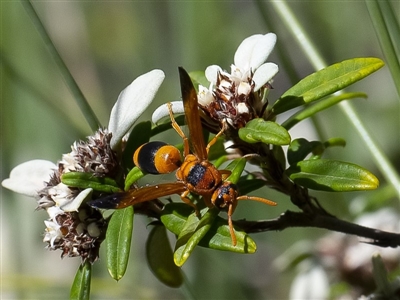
200 176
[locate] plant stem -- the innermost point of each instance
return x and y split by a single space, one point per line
318 63
66 74
381 12
291 219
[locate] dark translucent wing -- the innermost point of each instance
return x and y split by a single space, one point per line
134 196
189 98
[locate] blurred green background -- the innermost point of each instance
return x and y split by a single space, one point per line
107 44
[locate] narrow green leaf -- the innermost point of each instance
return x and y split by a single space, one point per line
193 231
332 175
321 105
88 180
134 175
267 132
326 81
139 135
300 148
279 155
118 241
69 80
161 259
217 150
218 162
165 124
198 77
80 289
174 218
335 142
236 167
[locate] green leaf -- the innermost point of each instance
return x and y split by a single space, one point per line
139 135
332 175
193 231
326 81
280 156
334 142
198 77
161 259
218 237
81 286
267 132
88 180
321 105
236 167
118 241
134 175
217 150
300 148
165 124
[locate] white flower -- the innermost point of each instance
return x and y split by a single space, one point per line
131 103
52 233
249 74
205 96
74 205
29 177
249 59
162 111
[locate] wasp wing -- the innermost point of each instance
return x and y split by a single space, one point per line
190 104
135 196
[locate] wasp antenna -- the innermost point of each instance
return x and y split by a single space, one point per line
259 199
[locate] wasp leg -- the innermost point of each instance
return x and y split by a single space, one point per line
230 223
224 174
214 139
178 129
187 201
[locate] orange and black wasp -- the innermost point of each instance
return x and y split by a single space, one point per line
195 174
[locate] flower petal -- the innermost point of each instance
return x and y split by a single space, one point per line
131 103
54 211
254 50
52 233
163 111
76 203
205 96
29 177
264 74
212 73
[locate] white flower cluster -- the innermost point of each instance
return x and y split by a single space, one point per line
75 228
233 98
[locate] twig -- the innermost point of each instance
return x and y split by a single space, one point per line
291 219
